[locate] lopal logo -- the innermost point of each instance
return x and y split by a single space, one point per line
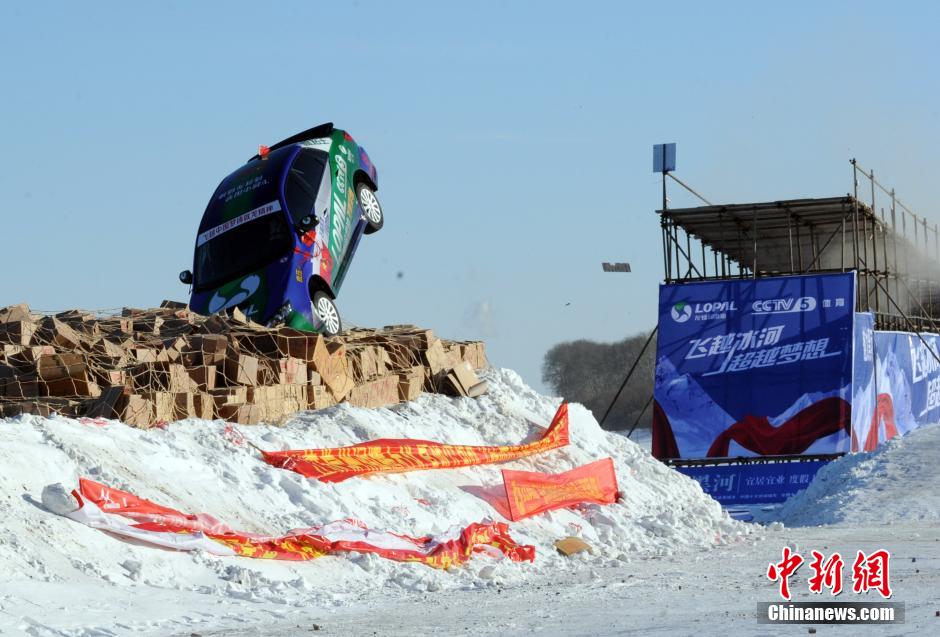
784 306
681 312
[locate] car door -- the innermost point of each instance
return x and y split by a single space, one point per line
344 198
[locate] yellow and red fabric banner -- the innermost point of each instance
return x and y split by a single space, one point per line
527 493
396 456
531 492
125 514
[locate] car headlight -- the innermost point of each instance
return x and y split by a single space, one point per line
281 315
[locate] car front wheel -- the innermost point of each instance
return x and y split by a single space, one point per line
371 208
325 310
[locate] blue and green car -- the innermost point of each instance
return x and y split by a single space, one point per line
279 233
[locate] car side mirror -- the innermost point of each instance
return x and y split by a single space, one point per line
186 277
307 223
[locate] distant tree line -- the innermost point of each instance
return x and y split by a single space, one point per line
590 373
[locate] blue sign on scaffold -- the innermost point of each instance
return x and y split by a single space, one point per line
754 367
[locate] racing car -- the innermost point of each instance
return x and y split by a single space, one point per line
279 233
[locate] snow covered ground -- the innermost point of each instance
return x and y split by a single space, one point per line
58 577
667 560
885 486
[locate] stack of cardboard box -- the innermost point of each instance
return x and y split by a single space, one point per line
149 366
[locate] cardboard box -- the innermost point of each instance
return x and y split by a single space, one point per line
437 359
204 406
137 411
335 370
70 387
19 387
319 397
277 402
15 313
243 414
161 377
203 376
375 393
108 404
51 367
17 332
164 404
59 334
229 395
205 349
296 344
411 384
240 369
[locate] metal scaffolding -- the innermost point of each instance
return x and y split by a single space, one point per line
895 253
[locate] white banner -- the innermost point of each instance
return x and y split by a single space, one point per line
260 211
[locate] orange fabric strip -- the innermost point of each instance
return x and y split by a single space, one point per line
444 551
396 456
530 492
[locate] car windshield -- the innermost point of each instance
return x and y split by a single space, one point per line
241 249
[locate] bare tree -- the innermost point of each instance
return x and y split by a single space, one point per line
590 373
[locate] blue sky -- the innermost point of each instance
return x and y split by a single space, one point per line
513 140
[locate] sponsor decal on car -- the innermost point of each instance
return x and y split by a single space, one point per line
319 143
338 231
231 295
251 215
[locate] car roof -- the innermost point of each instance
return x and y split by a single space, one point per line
323 130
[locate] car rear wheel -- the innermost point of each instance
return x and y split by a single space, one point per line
371 208
325 310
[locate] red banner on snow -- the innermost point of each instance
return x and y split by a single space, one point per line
396 456
125 514
530 492
527 493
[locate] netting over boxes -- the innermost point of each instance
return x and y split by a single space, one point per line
148 366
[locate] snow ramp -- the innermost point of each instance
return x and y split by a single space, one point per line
896 482
103 583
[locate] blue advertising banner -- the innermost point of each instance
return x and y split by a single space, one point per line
754 367
864 395
901 390
754 483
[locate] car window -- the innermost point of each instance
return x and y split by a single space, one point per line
303 181
241 250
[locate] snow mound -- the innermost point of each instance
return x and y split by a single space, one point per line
105 584
896 482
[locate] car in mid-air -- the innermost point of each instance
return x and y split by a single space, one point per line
279 233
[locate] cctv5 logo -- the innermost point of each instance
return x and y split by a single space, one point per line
783 306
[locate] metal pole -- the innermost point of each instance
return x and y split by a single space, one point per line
894 240
629 374
927 265
799 246
855 225
814 244
754 229
724 257
790 238
874 273
704 262
675 242
843 243
642 411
